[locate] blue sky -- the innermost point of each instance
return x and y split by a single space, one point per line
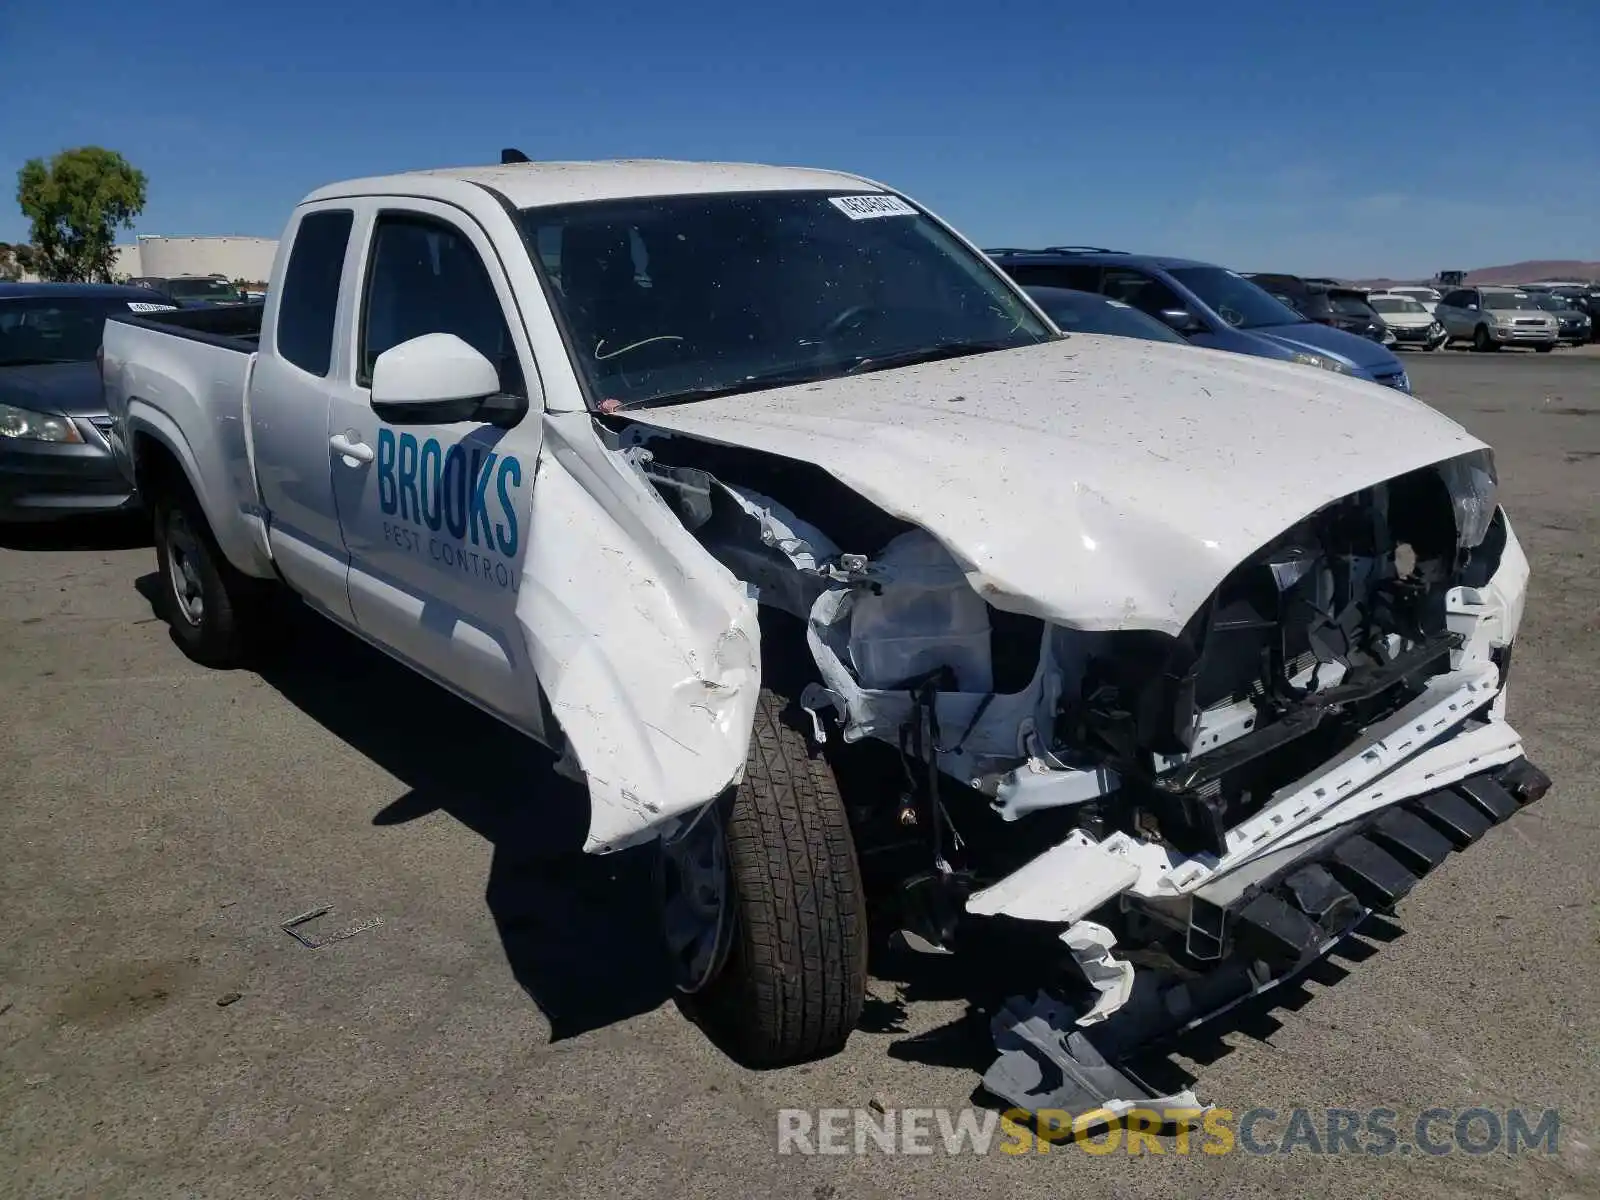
1351 138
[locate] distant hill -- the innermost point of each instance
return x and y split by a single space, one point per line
1519 272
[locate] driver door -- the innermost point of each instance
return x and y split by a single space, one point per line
435 516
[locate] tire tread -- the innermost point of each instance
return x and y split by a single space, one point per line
795 980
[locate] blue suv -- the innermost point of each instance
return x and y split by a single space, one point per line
1208 305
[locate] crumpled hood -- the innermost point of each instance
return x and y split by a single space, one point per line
1100 482
70 388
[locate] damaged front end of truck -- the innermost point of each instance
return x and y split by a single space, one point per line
1224 797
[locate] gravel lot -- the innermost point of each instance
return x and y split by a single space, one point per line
505 1031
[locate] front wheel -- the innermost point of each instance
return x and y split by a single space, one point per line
1544 349
1481 341
793 980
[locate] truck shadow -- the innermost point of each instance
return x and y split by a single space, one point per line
578 930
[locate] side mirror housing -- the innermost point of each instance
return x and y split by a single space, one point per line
437 379
1181 320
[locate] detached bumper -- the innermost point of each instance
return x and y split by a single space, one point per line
1256 936
41 481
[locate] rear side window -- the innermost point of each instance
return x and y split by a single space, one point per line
311 290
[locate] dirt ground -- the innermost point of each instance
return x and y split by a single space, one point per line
503 1029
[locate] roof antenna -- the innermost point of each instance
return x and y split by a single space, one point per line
512 155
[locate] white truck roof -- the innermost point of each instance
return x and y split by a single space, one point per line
534 184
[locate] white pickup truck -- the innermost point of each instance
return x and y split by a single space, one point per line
800 534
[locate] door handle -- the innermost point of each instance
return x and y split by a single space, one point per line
343 446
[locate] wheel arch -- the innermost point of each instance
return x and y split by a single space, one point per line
162 457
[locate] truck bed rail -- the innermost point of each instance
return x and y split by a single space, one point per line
231 326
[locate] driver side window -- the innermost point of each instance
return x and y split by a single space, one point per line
424 276
1147 294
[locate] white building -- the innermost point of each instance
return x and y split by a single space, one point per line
247 258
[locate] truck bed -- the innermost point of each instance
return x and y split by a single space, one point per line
231 326
182 379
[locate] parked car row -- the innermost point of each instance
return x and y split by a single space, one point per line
1575 307
1174 291
1207 305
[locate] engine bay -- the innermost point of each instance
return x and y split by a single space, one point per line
1331 626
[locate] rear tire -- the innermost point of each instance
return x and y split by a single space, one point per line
794 981
212 609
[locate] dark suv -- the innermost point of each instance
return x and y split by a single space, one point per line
1327 302
193 291
1209 305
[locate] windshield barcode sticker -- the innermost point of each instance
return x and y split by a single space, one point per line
143 306
861 208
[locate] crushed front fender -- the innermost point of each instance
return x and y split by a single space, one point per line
648 650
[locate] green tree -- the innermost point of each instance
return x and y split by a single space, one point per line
76 203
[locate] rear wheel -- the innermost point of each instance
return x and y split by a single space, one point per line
792 979
211 607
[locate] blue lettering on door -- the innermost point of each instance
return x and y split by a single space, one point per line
446 488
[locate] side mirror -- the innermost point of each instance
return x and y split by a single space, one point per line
1181 320
436 379
1472 308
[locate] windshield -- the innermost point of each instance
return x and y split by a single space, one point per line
1080 312
1551 302
1396 304
681 297
202 289
1505 300
1235 299
40 329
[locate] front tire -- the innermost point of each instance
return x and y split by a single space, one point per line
1481 341
210 606
1544 349
794 981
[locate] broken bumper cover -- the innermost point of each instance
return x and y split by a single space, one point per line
1258 936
